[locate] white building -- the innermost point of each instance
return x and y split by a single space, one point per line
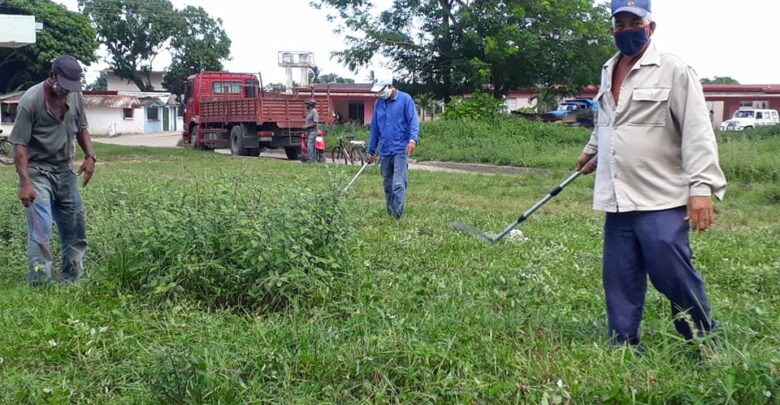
8 104
113 113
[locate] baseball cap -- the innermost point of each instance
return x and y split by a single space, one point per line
636 7
68 71
381 83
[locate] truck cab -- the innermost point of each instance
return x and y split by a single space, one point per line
213 86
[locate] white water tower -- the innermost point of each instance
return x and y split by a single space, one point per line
292 60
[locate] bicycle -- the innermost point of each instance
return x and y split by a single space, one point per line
350 151
6 150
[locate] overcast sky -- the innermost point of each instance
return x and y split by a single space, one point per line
715 37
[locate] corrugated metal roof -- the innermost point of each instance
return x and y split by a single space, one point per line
151 102
111 101
11 98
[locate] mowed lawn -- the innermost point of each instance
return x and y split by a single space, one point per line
407 311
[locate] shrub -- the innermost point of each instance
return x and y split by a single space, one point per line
228 245
479 106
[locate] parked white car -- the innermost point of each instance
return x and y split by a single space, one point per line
746 118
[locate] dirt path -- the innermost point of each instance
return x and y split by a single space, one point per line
171 139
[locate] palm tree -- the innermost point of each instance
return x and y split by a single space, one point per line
426 102
314 74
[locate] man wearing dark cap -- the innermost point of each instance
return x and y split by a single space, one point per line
657 170
50 115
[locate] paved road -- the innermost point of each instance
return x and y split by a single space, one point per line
156 140
170 140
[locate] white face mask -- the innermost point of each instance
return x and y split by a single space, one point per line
385 93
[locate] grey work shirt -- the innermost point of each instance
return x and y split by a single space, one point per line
49 140
312 117
656 147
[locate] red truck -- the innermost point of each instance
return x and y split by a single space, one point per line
232 110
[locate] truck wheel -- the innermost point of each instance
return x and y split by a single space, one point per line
253 151
292 152
236 145
194 140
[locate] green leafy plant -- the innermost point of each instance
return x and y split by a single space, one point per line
227 245
479 106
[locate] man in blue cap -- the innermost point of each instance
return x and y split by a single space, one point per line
394 130
50 116
657 170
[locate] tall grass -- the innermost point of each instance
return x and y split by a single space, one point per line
413 313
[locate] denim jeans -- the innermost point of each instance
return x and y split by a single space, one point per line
312 153
57 199
394 169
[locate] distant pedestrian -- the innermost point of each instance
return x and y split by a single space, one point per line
312 125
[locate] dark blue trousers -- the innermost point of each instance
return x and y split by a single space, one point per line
654 244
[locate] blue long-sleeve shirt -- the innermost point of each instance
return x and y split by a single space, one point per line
393 124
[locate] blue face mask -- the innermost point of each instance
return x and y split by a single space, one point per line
631 42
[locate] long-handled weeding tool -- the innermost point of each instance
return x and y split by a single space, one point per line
356 176
493 239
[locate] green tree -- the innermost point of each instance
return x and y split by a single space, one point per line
479 106
457 46
314 74
334 78
101 83
719 80
64 32
426 104
275 87
201 45
134 33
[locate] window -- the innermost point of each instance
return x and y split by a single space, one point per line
251 89
152 113
759 116
8 111
748 104
226 87
127 113
188 91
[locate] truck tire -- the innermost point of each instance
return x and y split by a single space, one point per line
292 152
236 141
194 139
253 151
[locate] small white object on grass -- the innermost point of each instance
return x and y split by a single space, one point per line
516 235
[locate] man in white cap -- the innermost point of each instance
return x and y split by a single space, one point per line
394 129
657 170
50 115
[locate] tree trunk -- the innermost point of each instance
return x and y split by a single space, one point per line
445 57
139 82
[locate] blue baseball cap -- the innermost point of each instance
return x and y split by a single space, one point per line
636 7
